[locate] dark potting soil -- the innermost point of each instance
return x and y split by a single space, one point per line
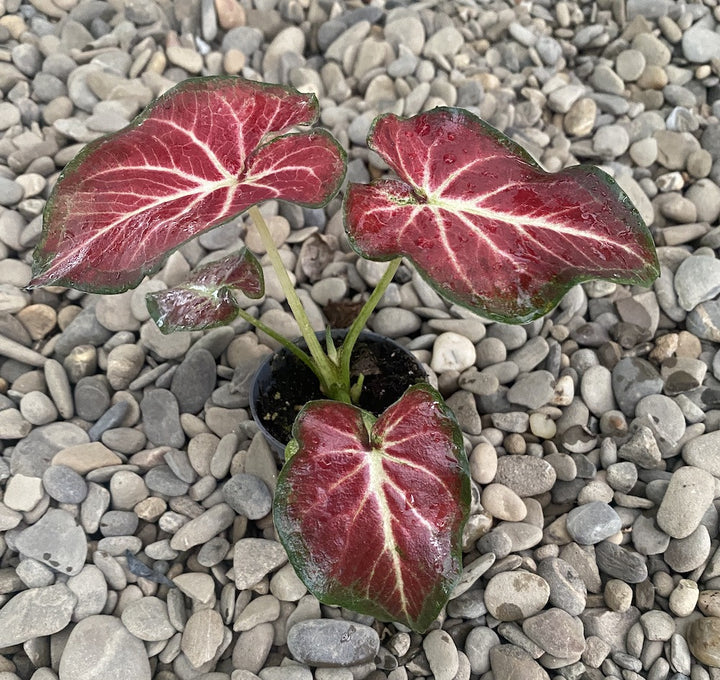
388 372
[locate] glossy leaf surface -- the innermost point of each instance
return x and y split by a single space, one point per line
371 511
485 225
196 157
206 298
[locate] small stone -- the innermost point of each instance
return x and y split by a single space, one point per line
630 64
286 586
618 595
194 381
533 391
23 493
503 503
686 554
556 632
442 655
709 602
593 522
703 638
515 595
99 648
55 540
684 598
452 351
230 14
161 418
124 363
185 58
147 619
657 625
13 425
525 475
64 485
642 449
204 527
197 586
687 498
611 141
478 644
37 408
254 558
567 590
510 661
84 458
35 613
633 379
697 279
203 635
327 642
620 563
248 495
700 44
252 648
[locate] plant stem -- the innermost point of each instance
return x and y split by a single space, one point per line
324 369
362 318
291 347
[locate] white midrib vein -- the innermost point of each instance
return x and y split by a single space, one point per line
377 480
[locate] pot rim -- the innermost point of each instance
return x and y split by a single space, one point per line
336 333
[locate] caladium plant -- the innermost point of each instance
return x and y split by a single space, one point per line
369 508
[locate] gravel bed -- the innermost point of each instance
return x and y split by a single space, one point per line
135 535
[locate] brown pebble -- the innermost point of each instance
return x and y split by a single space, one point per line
38 320
230 13
703 637
515 443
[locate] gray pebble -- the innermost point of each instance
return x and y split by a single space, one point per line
55 540
533 391
525 475
557 632
326 642
478 643
37 408
593 522
254 558
687 498
633 379
147 619
515 595
194 381
35 613
685 554
567 590
118 523
204 527
64 485
620 563
642 449
161 418
101 647
162 479
248 495
697 279
92 397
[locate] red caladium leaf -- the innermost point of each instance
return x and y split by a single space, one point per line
485 225
192 160
205 299
371 511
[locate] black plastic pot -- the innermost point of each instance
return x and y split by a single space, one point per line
283 384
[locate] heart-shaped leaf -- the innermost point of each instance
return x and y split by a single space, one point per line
195 158
205 299
371 511
485 225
